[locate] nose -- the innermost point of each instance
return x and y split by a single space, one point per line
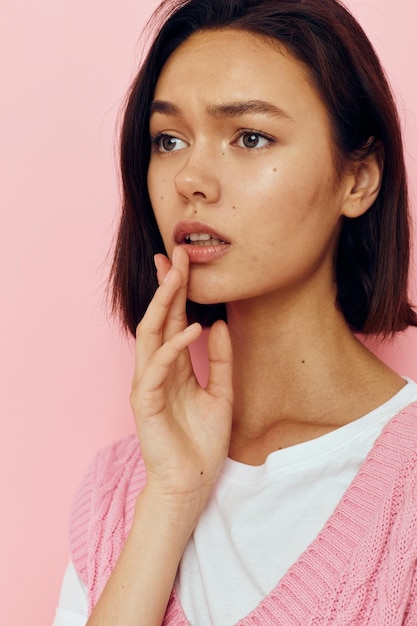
198 179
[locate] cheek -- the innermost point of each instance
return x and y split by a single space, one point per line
162 206
276 194
156 188
165 225
294 207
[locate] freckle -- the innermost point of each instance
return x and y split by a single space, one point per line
195 211
274 169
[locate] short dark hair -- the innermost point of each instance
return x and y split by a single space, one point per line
372 257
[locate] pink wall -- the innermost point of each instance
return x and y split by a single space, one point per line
65 371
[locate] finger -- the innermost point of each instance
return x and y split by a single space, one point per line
162 361
163 265
220 362
149 332
176 321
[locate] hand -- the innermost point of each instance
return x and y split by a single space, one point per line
184 430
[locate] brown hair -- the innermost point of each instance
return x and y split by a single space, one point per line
372 259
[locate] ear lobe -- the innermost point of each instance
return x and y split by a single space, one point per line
366 183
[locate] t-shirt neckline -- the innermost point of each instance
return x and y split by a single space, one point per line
307 583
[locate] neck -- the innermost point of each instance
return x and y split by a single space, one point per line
299 372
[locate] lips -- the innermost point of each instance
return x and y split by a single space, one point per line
203 243
198 234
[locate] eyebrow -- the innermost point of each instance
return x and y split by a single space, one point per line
228 109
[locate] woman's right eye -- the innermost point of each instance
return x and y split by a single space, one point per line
168 143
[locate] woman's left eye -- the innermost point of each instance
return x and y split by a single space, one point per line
252 139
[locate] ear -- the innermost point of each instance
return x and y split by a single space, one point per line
364 185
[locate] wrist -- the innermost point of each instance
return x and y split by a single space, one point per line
173 516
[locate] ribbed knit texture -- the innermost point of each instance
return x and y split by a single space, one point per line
360 570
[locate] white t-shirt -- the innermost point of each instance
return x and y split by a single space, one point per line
288 500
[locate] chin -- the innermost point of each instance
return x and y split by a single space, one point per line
202 293
203 299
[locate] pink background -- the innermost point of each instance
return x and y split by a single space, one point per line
65 369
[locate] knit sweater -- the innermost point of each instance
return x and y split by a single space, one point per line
360 570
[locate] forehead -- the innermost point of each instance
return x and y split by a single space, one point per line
233 64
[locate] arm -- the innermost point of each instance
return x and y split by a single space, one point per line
184 432
139 588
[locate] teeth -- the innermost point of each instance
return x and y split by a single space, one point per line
199 236
203 239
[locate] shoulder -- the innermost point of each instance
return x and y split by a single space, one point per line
393 462
121 459
116 471
396 534
395 450
102 511
402 428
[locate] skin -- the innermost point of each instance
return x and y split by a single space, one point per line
271 201
286 368
280 205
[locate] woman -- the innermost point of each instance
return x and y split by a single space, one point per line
263 174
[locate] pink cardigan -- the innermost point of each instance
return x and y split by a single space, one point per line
360 570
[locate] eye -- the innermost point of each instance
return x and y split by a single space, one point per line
168 143
253 139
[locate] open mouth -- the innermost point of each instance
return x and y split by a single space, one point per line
198 234
203 239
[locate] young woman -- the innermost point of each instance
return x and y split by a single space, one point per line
263 175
